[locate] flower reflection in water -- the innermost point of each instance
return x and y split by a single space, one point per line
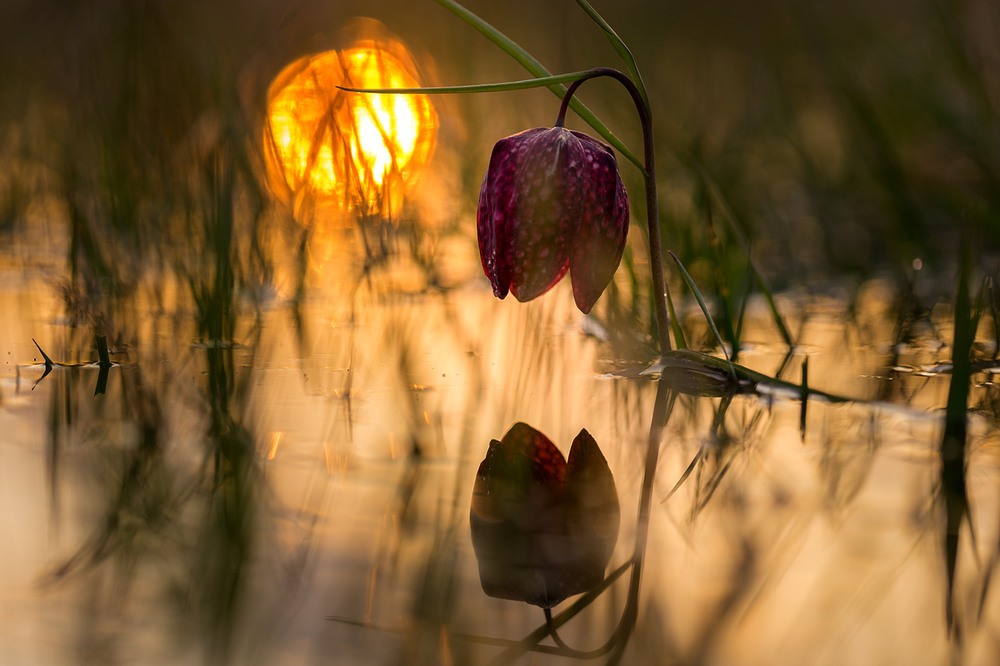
543 528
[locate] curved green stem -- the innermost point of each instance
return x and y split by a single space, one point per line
568 651
649 174
662 409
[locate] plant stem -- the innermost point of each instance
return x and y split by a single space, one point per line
649 174
661 414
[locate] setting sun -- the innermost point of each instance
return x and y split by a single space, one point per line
357 151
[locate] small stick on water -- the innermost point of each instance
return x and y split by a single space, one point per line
48 361
104 359
48 364
805 397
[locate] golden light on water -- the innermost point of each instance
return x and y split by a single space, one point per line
356 151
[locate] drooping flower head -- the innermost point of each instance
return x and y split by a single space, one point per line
552 200
543 529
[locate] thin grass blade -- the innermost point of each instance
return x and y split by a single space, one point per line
675 323
714 191
704 308
620 47
506 86
530 63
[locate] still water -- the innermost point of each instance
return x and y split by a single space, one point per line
301 493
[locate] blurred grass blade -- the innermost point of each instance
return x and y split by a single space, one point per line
805 398
722 289
684 475
509 46
104 363
704 308
675 324
621 48
526 60
101 387
522 84
953 442
779 320
714 191
745 299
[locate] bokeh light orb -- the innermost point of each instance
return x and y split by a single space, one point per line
356 151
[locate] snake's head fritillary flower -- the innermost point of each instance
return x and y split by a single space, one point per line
552 200
543 529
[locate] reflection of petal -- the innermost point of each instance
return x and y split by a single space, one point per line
519 476
537 451
542 530
590 488
517 518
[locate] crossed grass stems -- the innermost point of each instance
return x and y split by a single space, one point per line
683 370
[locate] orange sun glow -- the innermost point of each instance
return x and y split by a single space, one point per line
355 150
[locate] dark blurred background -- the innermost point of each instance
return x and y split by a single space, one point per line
832 140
